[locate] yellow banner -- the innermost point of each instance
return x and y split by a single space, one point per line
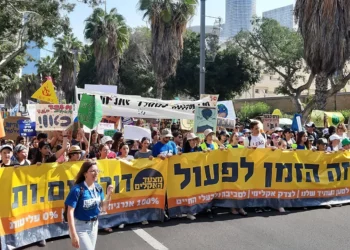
34 196
254 176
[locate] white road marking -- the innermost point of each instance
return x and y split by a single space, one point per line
149 239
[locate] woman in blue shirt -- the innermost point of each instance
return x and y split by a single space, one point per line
84 203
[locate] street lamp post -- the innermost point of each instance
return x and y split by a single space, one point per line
202 51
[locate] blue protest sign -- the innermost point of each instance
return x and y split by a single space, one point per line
26 128
296 125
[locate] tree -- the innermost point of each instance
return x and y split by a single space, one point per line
280 50
24 21
109 36
324 27
87 73
168 19
229 75
48 67
136 73
67 53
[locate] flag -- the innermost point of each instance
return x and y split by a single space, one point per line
296 125
2 129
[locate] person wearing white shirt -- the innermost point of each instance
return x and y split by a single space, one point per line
256 139
334 141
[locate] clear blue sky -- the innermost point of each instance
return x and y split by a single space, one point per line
128 8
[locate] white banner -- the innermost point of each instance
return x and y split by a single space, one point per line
136 133
141 107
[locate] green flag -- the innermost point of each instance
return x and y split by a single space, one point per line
90 110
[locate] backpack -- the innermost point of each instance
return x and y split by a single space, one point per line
98 188
250 138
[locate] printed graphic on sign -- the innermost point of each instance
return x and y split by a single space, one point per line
226 110
11 126
205 118
46 93
50 117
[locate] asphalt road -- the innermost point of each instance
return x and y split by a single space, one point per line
299 229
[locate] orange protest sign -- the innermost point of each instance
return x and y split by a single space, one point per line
2 129
46 93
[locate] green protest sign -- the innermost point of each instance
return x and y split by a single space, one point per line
109 132
90 110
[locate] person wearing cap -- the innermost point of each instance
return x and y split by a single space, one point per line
279 131
275 139
74 153
246 132
321 144
209 143
165 147
191 144
6 152
334 141
233 141
310 128
346 144
311 143
287 136
21 155
223 138
45 155
108 142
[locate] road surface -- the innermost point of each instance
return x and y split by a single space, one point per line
299 229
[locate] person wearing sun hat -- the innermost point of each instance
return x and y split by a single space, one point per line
165 147
209 143
334 141
74 153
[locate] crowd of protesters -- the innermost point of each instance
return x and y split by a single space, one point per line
67 147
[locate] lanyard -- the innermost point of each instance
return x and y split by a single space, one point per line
93 192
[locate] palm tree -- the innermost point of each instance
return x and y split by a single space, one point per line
109 35
67 53
168 19
324 27
47 66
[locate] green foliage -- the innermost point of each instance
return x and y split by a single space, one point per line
136 73
250 111
109 35
87 73
229 75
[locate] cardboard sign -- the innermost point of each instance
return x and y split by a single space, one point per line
11 126
186 124
46 93
104 126
270 122
226 123
136 133
51 117
205 118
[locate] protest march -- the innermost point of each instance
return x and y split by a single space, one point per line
110 161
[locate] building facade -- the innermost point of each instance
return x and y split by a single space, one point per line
238 16
34 54
284 16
